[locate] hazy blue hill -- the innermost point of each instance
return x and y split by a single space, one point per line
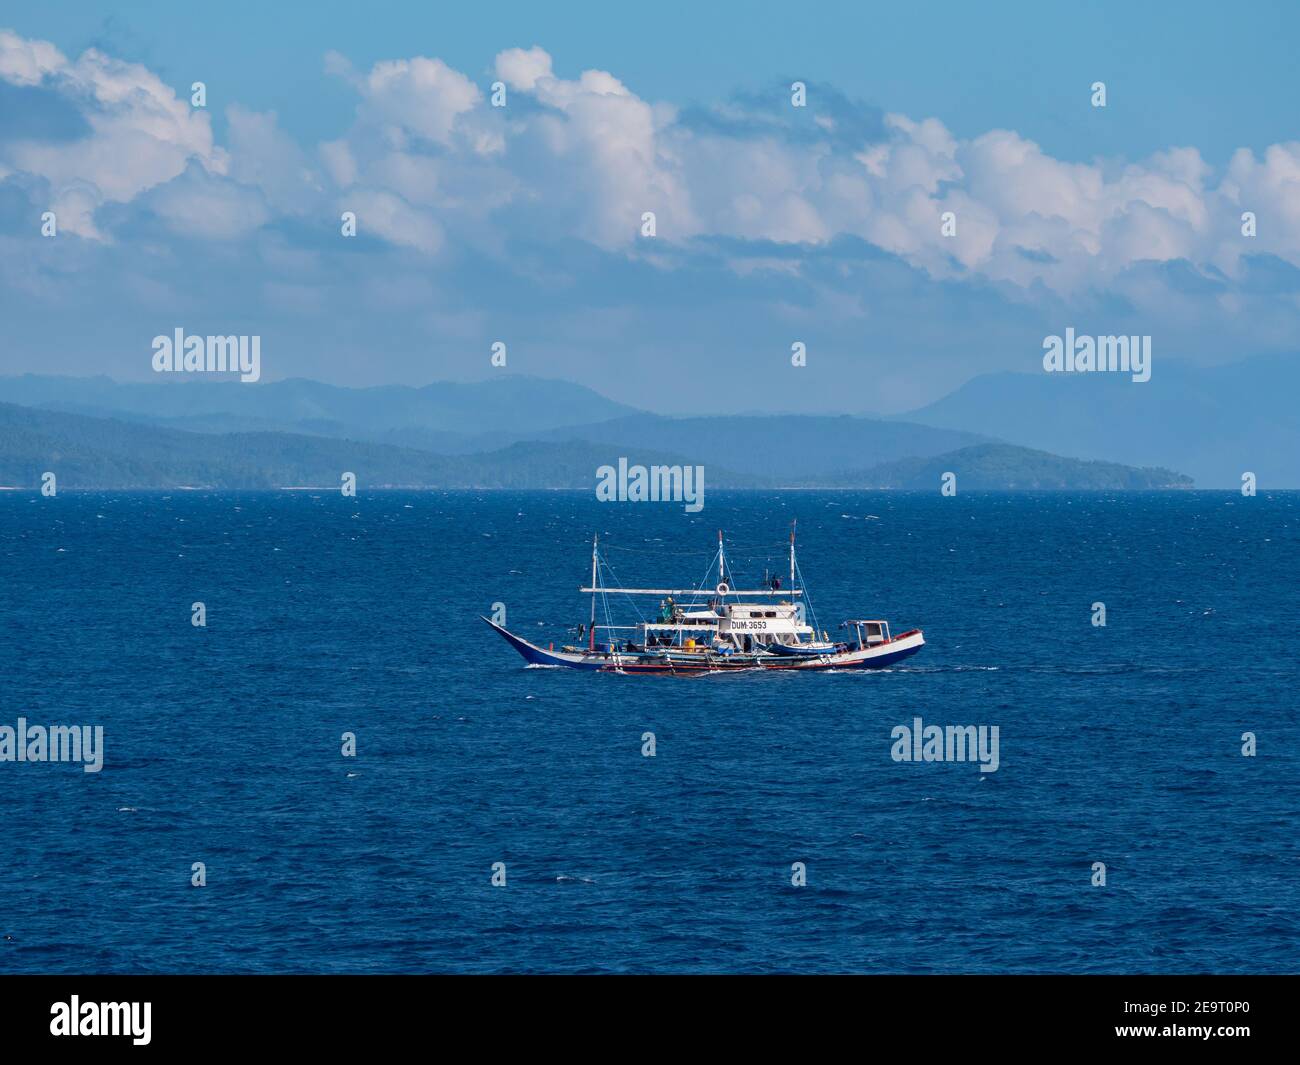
457 419
1212 422
511 402
1004 466
87 452
90 452
443 442
778 446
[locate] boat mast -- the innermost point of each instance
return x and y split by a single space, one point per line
792 527
722 561
595 539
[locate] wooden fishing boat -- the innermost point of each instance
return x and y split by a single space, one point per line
716 627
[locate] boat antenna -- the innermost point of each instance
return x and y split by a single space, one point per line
595 576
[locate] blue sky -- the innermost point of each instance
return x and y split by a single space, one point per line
775 224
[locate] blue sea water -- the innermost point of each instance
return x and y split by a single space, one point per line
326 615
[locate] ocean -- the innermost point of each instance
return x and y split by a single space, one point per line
1119 744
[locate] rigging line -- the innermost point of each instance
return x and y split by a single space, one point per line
798 570
604 601
610 569
609 624
700 589
619 586
604 593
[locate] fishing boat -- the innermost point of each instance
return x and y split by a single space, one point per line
716 627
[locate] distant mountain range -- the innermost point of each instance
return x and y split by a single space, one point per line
1214 423
1211 424
91 452
447 413
87 452
789 448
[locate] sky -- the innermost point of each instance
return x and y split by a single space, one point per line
523 224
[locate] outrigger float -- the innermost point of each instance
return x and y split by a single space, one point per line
718 628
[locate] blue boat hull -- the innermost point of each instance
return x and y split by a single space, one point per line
875 658
797 650
538 656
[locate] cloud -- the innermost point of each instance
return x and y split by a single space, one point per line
604 156
263 155
1269 187
826 217
392 218
24 62
419 97
139 134
199 204
521 69
586 157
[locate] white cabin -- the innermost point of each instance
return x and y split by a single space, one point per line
748 626
737 626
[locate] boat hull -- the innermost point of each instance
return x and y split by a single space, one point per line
799 650
538 656
878 656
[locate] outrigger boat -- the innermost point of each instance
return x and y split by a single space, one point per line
718 628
